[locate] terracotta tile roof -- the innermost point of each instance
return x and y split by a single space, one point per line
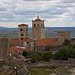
44 42
19 49
54 39
14 53
13 48
16 41
23 25
38 20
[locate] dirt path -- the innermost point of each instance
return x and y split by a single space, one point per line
73 71
53 74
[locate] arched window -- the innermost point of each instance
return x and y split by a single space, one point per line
34 25
22 29
37 25
21 34
61 34
42 25
21 38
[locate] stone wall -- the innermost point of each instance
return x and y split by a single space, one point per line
37 64
57 63
4 47
69 62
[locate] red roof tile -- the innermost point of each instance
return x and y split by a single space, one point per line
15 41
19 49
23 25
13 48
54 39
37 19
45 42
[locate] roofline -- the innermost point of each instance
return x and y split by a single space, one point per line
23 25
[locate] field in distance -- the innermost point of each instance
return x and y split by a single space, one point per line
49 32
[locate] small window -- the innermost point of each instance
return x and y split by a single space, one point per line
27 42
21 34
37 25
21 29
21 38
61 34
34 25
42 25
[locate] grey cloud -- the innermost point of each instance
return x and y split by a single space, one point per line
6 15
68 1
3 9
25 12
38 0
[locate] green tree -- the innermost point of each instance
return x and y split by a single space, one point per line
66 42
74 46
36 57
48 47
25 53
70 46
71 53
47 55
61 55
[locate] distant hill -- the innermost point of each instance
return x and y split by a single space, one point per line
3 27
49 31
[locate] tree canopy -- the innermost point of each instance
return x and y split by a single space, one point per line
47 55
61 55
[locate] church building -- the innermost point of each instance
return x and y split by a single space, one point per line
38 30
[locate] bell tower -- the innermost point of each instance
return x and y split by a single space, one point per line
38 30
23 31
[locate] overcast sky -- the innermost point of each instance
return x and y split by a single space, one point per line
56 13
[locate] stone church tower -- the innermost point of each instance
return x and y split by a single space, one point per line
38 30
23 31
62 36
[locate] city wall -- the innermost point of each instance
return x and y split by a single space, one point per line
56 63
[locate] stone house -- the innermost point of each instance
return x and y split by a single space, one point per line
62 36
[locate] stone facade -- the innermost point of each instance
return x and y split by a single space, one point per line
38 30
62 36
69 62
23 31
4 47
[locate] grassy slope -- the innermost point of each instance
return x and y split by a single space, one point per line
40 70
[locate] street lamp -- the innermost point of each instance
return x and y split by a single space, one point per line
16 69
